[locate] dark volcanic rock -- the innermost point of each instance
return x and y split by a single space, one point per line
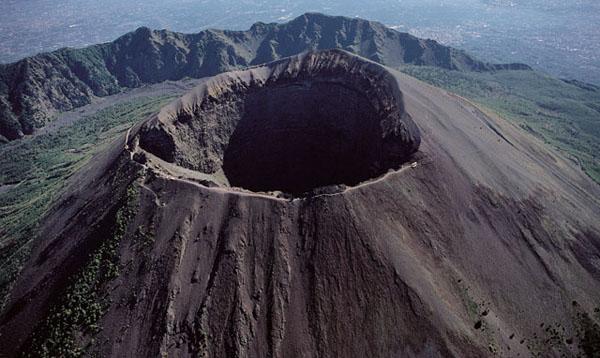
314 120
481 241
32 89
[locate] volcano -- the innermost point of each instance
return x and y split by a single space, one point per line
321 205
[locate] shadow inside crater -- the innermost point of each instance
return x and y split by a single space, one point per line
298 137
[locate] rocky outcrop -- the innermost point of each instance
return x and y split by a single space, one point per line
32 89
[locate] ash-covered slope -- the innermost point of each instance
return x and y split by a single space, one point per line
32 89
229 225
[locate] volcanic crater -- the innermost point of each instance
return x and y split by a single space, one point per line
316 121
465 254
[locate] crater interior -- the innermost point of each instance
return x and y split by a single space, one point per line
314 121
302 136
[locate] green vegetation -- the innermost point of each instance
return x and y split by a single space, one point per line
565 115
549 338
470 304
34 171
143 238
588 334
83 303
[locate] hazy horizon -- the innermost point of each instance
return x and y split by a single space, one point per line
551 36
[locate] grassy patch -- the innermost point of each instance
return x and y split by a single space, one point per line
565 115
34 171
84 303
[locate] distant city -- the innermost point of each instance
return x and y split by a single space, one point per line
559 37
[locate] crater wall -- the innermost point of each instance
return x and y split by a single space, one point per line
322 118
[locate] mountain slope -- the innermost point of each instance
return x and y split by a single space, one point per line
565 114
32 89
34 172
482 242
